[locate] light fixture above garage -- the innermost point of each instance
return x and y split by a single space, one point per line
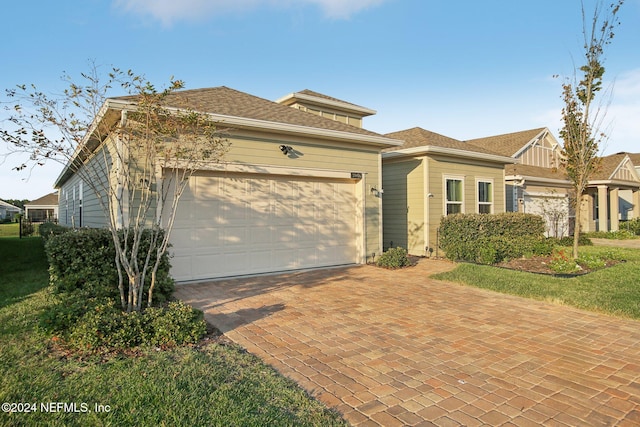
286 149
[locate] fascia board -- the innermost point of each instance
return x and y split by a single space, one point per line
432 149
562 182
324 101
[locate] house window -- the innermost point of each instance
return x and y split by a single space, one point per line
485 197
453 190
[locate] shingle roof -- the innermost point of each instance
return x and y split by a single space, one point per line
9 205
49 199
418 137
230 102
535 171
635 159
506 144
607 167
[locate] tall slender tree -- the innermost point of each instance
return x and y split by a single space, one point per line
137 164
582 117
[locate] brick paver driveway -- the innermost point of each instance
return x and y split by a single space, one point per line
397 348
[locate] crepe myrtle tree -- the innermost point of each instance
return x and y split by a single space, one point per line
137 163
582 117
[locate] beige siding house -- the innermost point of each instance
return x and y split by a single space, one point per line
42 209
431 176
613 194
537 184
534 183
297 188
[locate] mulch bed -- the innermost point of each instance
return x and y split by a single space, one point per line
540 265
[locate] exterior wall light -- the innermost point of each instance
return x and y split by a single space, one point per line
286 149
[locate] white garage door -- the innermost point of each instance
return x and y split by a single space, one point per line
235 224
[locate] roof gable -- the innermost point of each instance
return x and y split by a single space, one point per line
49 199
508 144
617 167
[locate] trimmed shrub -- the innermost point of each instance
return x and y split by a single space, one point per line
394 258
105 326
85 259
633 226
176 324
583 240
49 229
614 235
491 238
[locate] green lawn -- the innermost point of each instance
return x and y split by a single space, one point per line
614 290
13 229
214 384
9 230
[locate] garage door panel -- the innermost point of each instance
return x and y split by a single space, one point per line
246 224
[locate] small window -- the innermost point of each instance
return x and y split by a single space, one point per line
454 196
485 197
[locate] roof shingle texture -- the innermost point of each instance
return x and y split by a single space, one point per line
607 166
330 98
230 102
506 144
536 171
49 199
418 137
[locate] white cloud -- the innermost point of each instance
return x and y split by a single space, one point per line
170 11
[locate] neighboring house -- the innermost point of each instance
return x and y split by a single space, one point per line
613 194
635 159
295 190
535 183
431 176
43 209
7 210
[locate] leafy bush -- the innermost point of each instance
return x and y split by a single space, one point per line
583 240
614 235
105 326
394 258
175 325
50 229
62 315
633 226
487 254
85 258
481 237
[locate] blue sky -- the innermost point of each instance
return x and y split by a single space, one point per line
466 68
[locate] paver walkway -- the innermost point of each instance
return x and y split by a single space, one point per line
397 348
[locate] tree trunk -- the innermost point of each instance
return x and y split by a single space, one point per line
576 226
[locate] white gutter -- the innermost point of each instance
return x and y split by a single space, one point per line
629 184
536 179
434 149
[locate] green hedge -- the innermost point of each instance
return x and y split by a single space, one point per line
488 239
86 312
50 229
85 258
